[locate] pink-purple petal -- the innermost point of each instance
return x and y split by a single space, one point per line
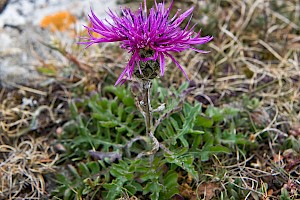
138 30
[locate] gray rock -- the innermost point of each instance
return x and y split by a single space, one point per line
21 34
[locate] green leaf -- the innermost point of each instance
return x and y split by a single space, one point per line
190 114
121 170
196 132
121 93
130 189
208 139
184 142
210 150
183 87
204 155
108 124
149 175
171 185
94 167
170 179
133 187
121 129
203 121
170 132
129 118
218 149
50 71
74 171
284 194
196 142
153 187
61 178
230 111
181 151
114 188
68 194
231 138
84 169
219 114
174 123
215 113
73 109
128 101
185 162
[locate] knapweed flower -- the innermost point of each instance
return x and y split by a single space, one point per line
148 36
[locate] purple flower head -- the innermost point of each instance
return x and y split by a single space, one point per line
141 31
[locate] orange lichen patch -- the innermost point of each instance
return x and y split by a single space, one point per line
59 21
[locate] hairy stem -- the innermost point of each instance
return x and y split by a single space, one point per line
147 113
146 103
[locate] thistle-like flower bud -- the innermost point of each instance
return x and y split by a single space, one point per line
149 69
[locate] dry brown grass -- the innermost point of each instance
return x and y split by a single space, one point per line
23 164
28 118
255 53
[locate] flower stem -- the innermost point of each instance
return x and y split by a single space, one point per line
147 113
147 105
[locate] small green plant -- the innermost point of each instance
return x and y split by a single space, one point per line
284 195
107 135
